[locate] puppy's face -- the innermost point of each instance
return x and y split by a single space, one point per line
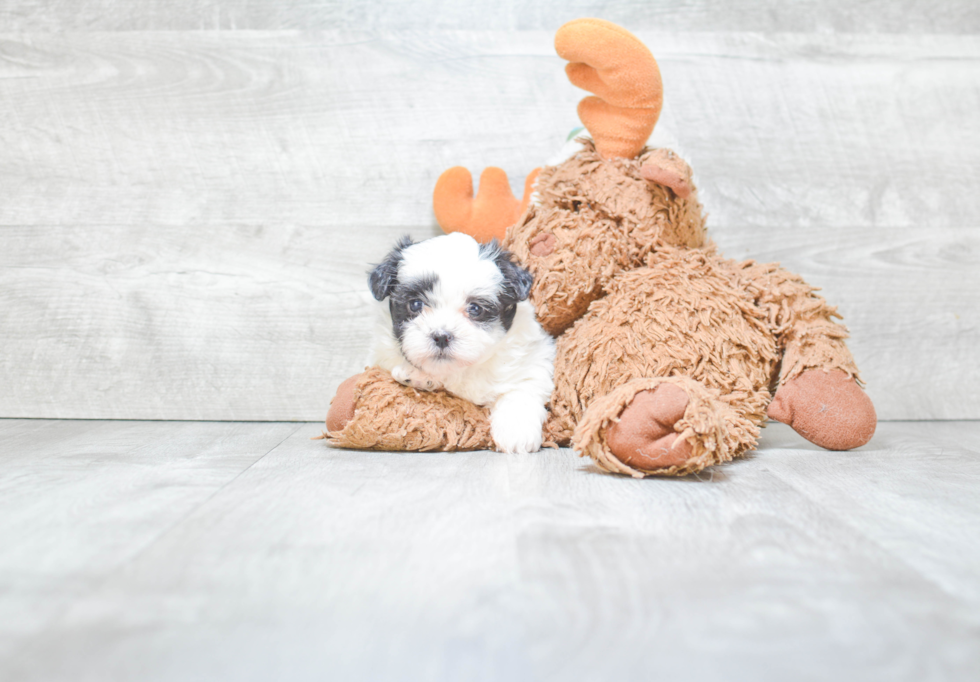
451 299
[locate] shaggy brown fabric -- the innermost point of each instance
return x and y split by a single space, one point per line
686 313
617 190
803 322
596 218
580 263
389 416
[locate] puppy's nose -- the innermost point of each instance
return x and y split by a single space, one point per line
442 339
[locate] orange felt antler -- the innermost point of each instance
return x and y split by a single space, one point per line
494 209
612 63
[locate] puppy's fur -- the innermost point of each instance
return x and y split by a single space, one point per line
458 318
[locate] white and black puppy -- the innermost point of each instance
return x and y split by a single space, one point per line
458 318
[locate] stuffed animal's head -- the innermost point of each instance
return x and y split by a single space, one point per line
594 218
607 207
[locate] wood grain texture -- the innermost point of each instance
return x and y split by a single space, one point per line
158 551
843 16
83 498
257 323
187 216
229 322
343 128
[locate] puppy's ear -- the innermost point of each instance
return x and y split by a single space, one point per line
517 280
382 279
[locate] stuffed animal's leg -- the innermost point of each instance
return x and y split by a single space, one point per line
669 426
819 393
372 411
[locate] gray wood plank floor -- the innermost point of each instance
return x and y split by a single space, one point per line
246 551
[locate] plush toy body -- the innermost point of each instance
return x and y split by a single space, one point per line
669 356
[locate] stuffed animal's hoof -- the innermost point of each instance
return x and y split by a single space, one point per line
342 406
644 437
372 411
829 409
662 426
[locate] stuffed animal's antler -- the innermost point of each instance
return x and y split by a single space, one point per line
612 63
489 214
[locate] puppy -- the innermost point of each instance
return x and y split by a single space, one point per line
458 318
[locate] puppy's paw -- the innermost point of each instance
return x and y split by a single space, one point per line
515 440
409 376
515 424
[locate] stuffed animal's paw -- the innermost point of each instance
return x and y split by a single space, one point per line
829 409
644 437
417 379
343 404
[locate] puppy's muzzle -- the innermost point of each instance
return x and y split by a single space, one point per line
442 339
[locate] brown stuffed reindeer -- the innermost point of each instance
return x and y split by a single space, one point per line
670 357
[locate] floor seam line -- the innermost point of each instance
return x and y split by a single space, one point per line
210 497
871 541
54 620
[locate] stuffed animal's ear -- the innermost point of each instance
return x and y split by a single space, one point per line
383 277
664 167
517 281
486 216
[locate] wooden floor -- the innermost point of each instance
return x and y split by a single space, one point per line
246 551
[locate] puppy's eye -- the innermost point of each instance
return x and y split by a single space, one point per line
474 310
415 306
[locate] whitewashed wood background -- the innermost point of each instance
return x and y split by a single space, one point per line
191 191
